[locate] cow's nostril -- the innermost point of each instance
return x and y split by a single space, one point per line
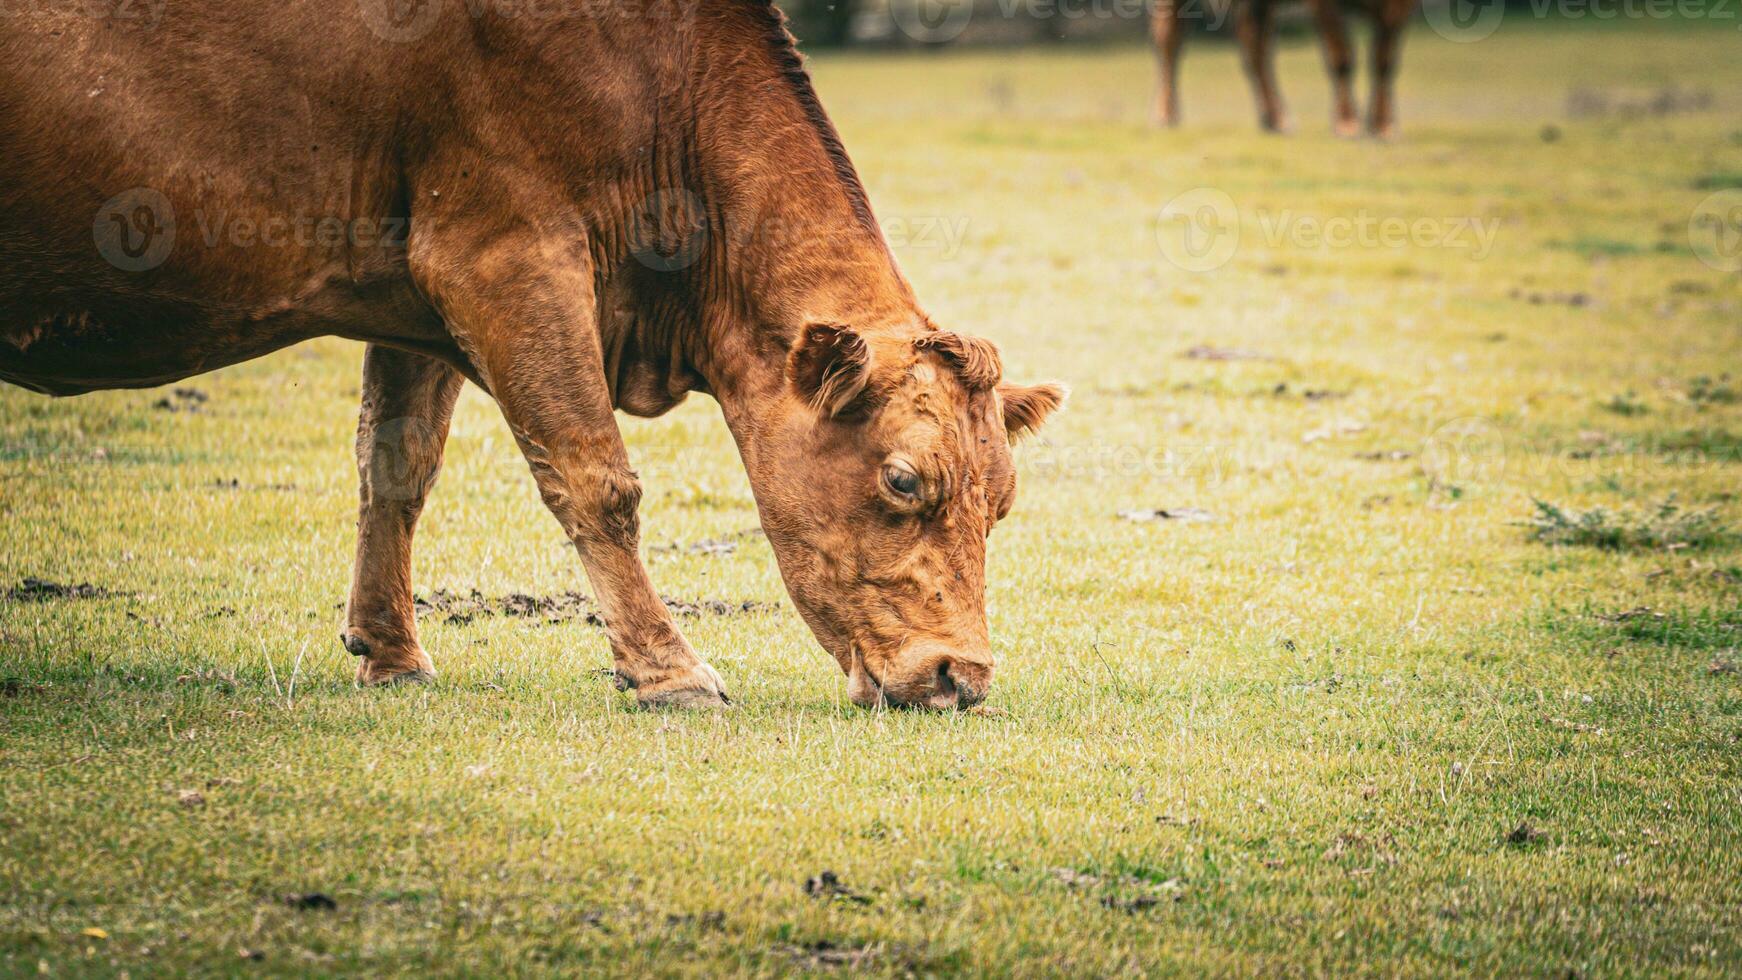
945 695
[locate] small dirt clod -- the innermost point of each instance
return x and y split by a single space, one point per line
1524 835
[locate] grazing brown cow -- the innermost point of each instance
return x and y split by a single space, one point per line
1253 28
578 208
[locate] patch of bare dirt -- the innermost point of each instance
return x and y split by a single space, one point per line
234 483
723 545
707 921
42 590
1282 390
190 400
1183 515
1386 455
1204 352
1628 616
1586 102
1524 835
825 952
15 687
716 607
460 608
1539 298
1130 894
1368 852
829 886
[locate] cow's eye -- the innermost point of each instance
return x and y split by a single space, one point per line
901 481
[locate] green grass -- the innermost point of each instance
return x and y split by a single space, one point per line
1294 739
1667 526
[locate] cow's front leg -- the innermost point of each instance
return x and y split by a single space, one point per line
1339 63
1254 26
1166 26
523 310
1390 17
402 428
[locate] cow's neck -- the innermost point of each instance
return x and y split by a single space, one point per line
797 241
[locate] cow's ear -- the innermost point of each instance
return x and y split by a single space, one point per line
830 367
1027 406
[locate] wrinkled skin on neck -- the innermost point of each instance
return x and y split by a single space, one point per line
879 472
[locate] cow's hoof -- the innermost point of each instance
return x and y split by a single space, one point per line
1346 128
698 687
379 665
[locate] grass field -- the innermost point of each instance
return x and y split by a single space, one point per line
1364 721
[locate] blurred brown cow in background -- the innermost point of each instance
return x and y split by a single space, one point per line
1253 26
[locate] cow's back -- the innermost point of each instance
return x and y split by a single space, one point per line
170 168
194 183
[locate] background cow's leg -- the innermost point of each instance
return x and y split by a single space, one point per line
1389 19
1253 25
522 309
1165 24
1339 64
408 400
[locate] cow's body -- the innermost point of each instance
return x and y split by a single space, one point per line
200 111
578 207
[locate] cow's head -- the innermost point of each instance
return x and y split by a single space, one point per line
879 474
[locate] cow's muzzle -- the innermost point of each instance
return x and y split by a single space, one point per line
924 675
